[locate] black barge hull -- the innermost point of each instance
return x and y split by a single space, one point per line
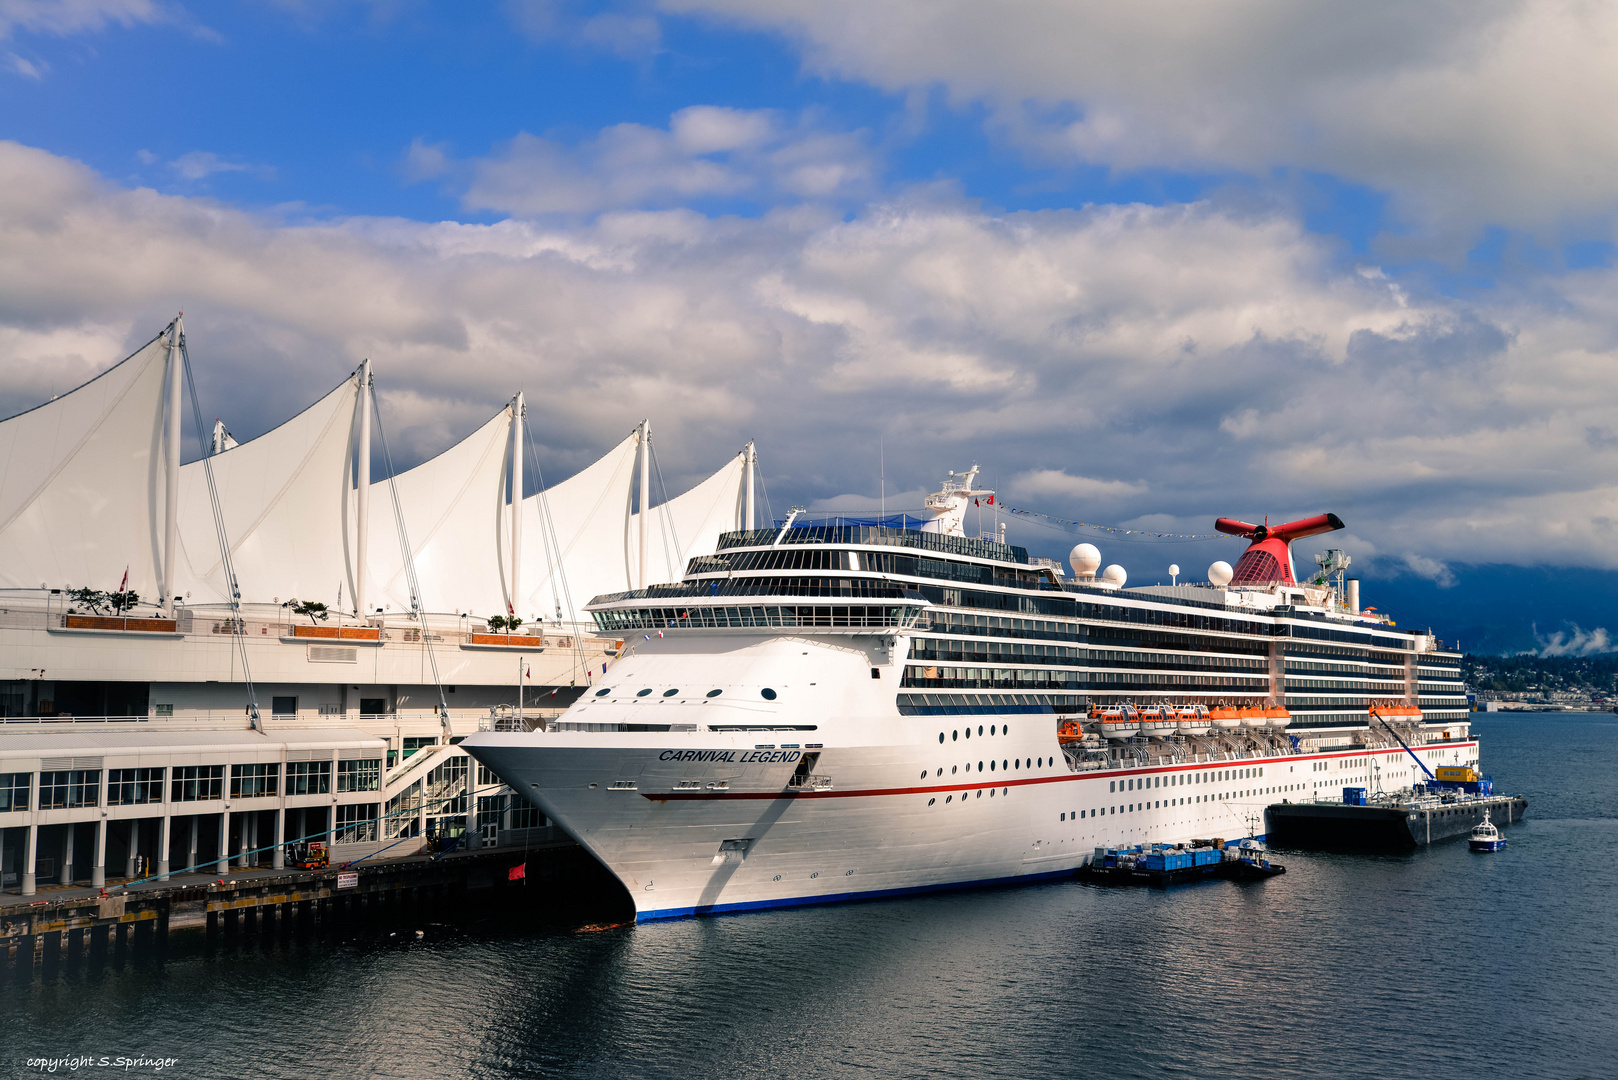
1330 826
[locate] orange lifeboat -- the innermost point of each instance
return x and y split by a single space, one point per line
1223 716
1118 721
1278 717
1252 716
1068 731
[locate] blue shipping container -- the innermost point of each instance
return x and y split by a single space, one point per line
1354 796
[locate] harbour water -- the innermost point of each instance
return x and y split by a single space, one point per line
1434 964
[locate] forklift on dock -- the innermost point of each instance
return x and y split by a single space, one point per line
308 856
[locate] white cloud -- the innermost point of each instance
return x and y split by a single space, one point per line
1056 486
201 164
1431 569
629 34
77 16
1465 111
1577 642
1093 355
706 152
28 69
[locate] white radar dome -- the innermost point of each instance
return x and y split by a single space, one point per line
1174 569
1220 573
1085 560
1115 576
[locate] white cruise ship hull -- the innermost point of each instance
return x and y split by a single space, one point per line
702 821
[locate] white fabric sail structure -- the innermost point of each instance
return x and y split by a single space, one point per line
82 484
454 510
282 497
584 545
84 496
690 524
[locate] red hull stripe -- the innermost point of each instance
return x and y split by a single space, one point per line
688 796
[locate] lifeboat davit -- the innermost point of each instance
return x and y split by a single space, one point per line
1278 717
1118 721
1192 720
1069 731
1224 717
1157 720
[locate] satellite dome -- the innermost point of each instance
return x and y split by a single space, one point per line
1174 569
1220 573
1085 560
1115 576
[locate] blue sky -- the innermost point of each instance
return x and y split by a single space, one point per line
1148 264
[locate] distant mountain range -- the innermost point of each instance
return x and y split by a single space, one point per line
1503 610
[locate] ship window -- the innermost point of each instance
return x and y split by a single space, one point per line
644 692
949 798
931 801
767 694
954 735
980 729
952 769
1003 764
715 693
941 770
924 774
991 729
968 733
604 691
1112 785
980 766
671 691
1005 729
1062 818
1018 763
940 736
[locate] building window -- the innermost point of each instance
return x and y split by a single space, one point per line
487 778
356 823
69 788
525 815
491 808
256 780
197 783
14 790
362 775
134 787
308 778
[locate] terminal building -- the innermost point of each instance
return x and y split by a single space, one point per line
201 661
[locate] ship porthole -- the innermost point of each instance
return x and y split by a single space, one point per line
643 693
604 691
954 735
949 798
931 801
777 877
715 693
924 774
767 694
671 691
980 793
940 737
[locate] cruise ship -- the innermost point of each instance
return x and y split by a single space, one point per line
828 711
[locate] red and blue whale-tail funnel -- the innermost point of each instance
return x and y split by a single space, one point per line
1268 559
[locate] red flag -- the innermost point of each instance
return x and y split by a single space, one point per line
124 584
518 872
991 500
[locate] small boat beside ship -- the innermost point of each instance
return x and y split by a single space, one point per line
1486 836
1162 865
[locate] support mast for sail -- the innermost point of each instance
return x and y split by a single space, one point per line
645 496
747 484
362 501
518 414
171 509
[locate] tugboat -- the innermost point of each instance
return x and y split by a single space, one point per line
1251 862
1485 837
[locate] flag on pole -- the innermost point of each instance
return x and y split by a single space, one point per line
124 584
603 667
660 633
518 872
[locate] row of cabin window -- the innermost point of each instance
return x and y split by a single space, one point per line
1179 779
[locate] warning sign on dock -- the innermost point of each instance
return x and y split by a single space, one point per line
349 880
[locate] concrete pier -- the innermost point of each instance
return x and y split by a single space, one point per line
71 926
